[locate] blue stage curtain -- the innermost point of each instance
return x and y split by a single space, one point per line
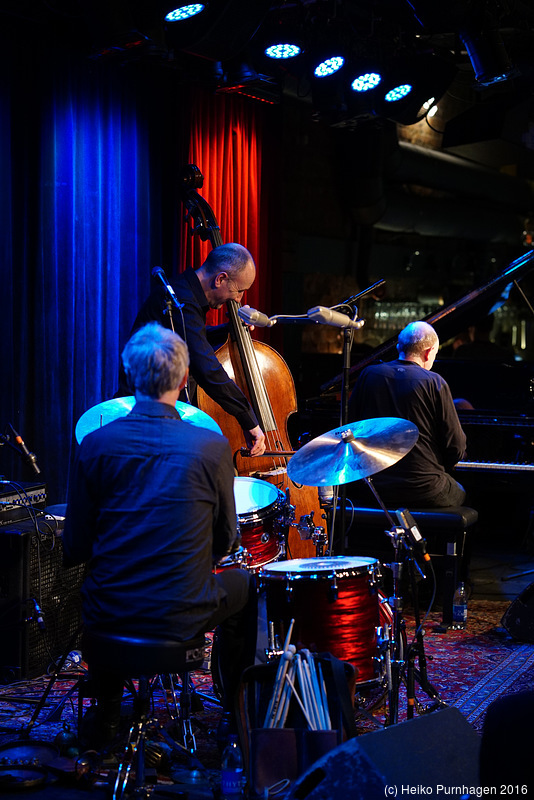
76 244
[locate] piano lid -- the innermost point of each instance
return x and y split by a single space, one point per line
455 317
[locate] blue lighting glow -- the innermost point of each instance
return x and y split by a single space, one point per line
184 12
364 83
398 93
282 51
329 66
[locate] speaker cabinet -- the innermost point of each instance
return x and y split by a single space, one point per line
435 750
40 601
518 618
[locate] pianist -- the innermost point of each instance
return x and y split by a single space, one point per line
407 389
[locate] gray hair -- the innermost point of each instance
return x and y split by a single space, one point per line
415 338
155 360
231 258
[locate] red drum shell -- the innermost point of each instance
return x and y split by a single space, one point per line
261 514
334 602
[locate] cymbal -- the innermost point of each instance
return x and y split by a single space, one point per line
109 410
352 451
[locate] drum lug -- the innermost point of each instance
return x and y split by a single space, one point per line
333 591
265 538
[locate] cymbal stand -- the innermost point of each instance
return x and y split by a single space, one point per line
400 661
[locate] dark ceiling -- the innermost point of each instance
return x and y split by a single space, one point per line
489 124
231 29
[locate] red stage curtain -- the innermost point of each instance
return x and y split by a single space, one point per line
226 145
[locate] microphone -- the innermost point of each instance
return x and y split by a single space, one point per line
326 316
29 457
413 532
253 317
158 272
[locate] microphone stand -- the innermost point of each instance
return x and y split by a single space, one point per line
343 419
397 660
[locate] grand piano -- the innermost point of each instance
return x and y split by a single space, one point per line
498 469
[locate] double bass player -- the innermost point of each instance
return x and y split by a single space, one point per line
228 272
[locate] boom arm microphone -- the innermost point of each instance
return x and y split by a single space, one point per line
252 317
326 316
158 272
29 457
413 532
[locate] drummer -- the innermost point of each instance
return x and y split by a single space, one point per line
151 507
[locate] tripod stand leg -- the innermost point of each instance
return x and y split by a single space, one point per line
53 678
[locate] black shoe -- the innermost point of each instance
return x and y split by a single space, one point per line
95 734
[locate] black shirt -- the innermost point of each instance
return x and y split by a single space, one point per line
205 369
151 506
406 390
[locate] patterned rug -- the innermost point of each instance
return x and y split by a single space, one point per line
469 668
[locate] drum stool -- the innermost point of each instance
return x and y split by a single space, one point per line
450 526
143 657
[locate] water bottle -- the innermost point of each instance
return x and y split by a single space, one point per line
459 607
232 770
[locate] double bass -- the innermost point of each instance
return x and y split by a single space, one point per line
264 377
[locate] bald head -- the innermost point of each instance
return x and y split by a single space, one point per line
227 273
232 258
418 342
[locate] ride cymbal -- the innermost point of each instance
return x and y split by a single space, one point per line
109 410
352 451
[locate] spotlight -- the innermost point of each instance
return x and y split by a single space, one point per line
487 54
366 82
184 12
283 50
328 66
412 82
397 93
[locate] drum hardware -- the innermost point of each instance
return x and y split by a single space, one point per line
309 530
356 451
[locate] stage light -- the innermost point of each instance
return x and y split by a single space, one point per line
487 54
397 93
283 50
328 66
366 82
184 12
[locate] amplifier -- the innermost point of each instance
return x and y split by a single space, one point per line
40 601
16 502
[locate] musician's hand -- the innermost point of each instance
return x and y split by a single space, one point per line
255 439
250 327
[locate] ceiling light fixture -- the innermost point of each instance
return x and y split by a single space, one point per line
366 82
283 50
328 66
398 92
184 12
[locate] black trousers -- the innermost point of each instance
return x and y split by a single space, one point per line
236 622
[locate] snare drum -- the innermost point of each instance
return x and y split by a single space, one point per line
334 602
261 511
